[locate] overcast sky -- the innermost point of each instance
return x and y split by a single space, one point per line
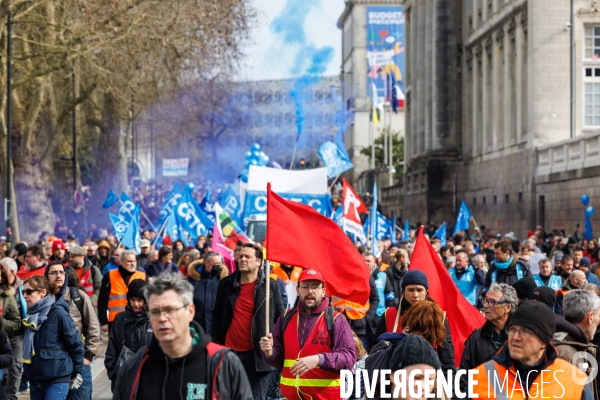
270 56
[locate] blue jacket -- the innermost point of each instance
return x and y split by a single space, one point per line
555 282
384 291
58 347
468 282
205 291
592 278
155 268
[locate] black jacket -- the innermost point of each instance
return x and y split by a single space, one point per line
479 347
6 358
228 293
151 374
130 329
205 291
360 326
560 297
142 259
509 275
395 276
155 268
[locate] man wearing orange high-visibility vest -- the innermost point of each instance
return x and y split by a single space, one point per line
529 356
312 343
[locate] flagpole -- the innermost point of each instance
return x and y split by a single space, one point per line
161 230
294 153
141 212
267 296
334 181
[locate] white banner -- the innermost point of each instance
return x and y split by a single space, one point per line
175 166
305 181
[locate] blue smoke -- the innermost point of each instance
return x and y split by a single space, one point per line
290 25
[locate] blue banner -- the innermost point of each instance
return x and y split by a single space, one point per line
173 229
255 203
191 218
462 220
119 225
207 207
230 202
441 234
385 53
131 237
127 207
169 204
111 199
392 230
405 234
334 159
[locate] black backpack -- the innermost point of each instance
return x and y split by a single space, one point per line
328 322
74 292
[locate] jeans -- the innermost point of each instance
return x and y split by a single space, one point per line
259 381
54 391
14 372
85 390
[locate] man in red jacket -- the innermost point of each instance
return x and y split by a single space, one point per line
311 351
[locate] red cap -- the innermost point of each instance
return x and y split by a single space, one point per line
311 274
58 244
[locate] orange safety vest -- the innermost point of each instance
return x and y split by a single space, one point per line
353 311
494 381
277 270
117 299
84 280
316 383
25 273
563 291
390 318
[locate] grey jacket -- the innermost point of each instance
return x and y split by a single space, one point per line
87 324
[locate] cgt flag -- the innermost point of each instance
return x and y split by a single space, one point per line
462 220
111 199
131 238
352 205
292 228
463 318
441 234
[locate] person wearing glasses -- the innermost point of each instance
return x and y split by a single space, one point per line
499 304
301 345
239 320
84 317
52 348
180 362
527 364
205 276
131 329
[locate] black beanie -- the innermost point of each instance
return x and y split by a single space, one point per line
135 289
524 286
535 316
413 350
544 295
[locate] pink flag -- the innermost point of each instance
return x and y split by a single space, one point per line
218 245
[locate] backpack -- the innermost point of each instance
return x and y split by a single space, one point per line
328 322
379 357
77 299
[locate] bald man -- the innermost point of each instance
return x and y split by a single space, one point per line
576 280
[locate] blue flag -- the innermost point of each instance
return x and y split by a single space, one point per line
170 202
588 234
111 199
338 217
173 229
374 224
462 220
441 234
367 225
405 234
383 227
231 204
119 225
132 238
191 218
392 230
207 207
334 159
127 207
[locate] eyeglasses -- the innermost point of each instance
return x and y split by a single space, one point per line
53 273
524 333
306 286
29 292
492 302
168 311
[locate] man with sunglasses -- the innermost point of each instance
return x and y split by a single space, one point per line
528 365
304 347
85 320
499 304
239 320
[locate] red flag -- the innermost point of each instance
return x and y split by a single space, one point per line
463 318
299 235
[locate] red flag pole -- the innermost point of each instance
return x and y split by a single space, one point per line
267 296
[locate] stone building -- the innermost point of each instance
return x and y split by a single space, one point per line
488 106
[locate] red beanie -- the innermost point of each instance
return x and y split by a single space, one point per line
58 244
167 241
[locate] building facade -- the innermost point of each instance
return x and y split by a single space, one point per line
488 97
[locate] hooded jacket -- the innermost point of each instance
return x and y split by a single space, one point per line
150 374
130 329
58 348
102 262
228 293
205 290
395 276
508 275
10 310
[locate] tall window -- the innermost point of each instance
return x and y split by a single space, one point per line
591 76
